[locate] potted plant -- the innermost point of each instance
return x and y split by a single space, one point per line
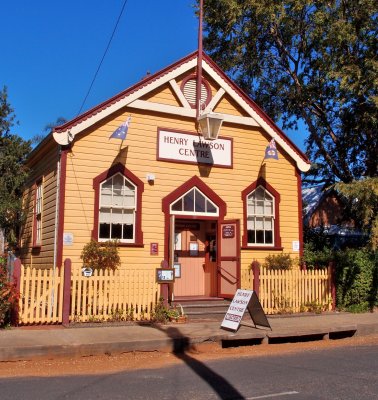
176 314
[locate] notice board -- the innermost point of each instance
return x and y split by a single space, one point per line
242 301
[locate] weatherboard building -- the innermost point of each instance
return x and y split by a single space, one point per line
137 168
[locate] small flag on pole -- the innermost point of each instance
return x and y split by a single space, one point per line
271 150
121 131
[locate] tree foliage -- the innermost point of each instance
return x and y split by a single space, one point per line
13 173
310 61
362 198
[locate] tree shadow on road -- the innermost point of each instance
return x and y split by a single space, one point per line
181 346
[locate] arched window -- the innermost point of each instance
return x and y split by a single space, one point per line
261 216
194 202
118 201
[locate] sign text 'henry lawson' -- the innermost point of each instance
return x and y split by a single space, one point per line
190 148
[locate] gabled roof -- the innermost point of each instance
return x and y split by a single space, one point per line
132 98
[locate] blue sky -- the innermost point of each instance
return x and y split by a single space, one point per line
51 51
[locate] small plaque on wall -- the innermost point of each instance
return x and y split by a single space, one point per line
154 249
228 231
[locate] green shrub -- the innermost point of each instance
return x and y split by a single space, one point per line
356 279
8 294
101 255
316 258
279 261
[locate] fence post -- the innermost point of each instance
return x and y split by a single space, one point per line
66 292
17 282
332 272
256 277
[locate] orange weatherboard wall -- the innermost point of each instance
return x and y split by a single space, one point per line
158 103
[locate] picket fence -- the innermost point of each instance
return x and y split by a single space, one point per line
132 294
106 295
113 295
41 292
292 291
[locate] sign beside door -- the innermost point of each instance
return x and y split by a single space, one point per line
229 258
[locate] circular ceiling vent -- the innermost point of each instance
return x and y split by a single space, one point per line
188 88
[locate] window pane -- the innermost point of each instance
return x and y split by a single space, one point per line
259 236
268 208
210 207
268 225
116 216
128 231
268 237
104 231
116 231
260 207
251 223
177 206
189 201
128 217
259 223
200 202
251 236
259 193
106 193
105 215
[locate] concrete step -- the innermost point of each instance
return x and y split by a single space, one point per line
204 308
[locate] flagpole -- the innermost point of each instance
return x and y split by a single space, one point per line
199 62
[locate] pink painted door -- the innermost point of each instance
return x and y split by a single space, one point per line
229 258
190 254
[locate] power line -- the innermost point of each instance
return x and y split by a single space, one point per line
103 57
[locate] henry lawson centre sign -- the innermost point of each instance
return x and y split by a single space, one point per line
193 149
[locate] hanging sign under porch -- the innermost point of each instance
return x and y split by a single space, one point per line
193 149
243 300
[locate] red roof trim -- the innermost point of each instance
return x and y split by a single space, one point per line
144 82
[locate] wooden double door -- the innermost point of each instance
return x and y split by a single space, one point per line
207 255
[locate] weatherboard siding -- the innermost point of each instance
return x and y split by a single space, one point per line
45 169
93 153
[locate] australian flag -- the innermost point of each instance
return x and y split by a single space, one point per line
121 131
271 150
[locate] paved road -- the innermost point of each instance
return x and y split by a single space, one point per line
341 373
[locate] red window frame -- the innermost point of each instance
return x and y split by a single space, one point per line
276 228
119 168
37 213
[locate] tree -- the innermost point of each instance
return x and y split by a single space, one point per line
13 173
362 197
313 61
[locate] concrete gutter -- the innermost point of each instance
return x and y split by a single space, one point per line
47 342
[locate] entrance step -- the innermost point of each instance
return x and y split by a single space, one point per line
211 308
